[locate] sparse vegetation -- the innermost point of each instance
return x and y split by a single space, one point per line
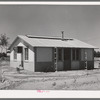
4 42
96 53
70 80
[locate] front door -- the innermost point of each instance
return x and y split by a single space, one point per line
20 51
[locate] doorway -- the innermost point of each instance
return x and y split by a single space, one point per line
20 51
67 59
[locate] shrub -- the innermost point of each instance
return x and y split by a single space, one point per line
54 84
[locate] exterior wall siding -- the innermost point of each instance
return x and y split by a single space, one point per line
43 67
11 55
29 64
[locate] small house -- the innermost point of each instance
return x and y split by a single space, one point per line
40 54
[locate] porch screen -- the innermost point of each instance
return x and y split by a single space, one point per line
67 54
75 54
60 54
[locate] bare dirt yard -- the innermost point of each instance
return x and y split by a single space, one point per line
62 80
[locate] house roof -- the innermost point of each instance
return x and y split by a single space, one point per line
37 41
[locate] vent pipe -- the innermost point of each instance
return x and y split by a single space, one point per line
62 34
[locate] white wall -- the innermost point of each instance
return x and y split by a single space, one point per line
29 64
31 55
21 44
11 55
44 54
18 56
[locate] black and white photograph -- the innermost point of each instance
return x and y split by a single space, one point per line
50 47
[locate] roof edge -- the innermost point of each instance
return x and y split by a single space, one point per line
12 43
45 37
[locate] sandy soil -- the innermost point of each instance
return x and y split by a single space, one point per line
62 80
80 82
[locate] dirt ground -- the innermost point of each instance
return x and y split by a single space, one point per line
62 80
83 80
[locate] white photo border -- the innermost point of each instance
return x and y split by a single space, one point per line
48 93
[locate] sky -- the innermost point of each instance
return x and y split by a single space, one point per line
77 21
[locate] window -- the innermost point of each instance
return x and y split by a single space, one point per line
59 54
19 49
75 54
26 53
15 52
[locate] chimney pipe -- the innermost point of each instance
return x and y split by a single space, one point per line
62 34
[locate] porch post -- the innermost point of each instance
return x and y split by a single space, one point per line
86 59
63 58
71 58
56 58
63 55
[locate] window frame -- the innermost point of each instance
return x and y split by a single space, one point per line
26 52
19 49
